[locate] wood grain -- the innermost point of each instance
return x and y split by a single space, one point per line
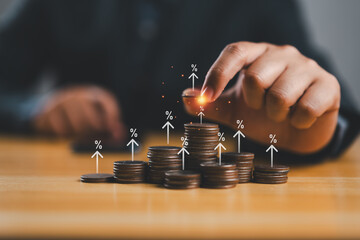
41 197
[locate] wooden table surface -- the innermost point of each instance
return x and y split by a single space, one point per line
41 197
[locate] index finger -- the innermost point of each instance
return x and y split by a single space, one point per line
231 60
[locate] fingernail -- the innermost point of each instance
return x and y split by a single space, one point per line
208 93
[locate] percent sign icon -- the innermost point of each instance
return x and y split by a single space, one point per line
240 124
221 136
194 68
169 115
133 132
272 137
98 144
184 141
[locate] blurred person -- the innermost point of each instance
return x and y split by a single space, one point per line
122 63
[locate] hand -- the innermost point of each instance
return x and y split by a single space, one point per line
80 111
278 91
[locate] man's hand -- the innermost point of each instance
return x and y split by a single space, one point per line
79 112
278 91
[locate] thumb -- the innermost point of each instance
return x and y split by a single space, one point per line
220 110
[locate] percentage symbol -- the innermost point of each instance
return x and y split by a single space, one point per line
98 144
240 124
221 136
133 132
194 68
169 115
184 141
273 138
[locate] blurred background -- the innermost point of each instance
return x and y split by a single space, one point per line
333 25
334 28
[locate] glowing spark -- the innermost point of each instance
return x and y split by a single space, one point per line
201 99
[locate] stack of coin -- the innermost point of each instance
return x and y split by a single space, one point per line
178 179
219 176
97 178
202 139
162 159
272 175
130 171
244 164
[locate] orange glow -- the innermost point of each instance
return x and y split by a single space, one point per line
162 96
229 101
201 100
182 75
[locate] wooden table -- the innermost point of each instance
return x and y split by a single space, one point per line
41 197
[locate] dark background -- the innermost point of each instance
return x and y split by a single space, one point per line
333 25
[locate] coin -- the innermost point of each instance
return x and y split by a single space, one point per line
179 179
130 171
162 159
97 178
201 142
216 175
274 168
275 174
244 164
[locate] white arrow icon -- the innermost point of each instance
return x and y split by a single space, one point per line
132 142
167 125
193 76
219 146
97 154
272 148
239 134
201 114
183 151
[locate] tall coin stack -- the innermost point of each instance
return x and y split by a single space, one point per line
202 139
271 175
130 171
244 164
162 159
219 176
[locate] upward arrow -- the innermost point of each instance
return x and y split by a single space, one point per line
97 154
272 148
239 134
132 142
193 76
183 151
219 146
201 114
167 125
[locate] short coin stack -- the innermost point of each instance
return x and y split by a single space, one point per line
219 176
202 139
244 164
162 159
130 171
177 179
271 175
97 178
